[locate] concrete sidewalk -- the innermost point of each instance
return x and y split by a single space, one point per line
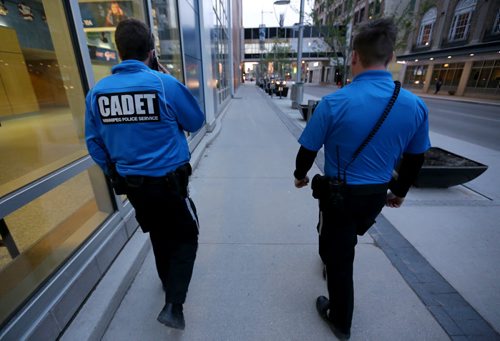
450 256
258 273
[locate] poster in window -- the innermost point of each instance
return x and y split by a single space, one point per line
105 13
25 11
3 8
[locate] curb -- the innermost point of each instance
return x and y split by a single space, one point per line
458 99
94 316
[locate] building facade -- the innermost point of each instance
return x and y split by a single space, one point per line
456 43
60 224
347 15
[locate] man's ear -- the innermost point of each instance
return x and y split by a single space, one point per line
149 57
390 59
354 57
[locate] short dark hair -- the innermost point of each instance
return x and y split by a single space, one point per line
375 40
133 39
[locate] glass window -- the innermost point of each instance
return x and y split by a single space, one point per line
485 75
474 76
378 6
167 38
99 21
273 33
361 14
415 76
494 81
425 33
41 94
45 232
281 33
220 60
496 25
450 74
461 20
255 33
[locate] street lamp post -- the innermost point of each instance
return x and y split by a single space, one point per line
299 46
298 87
262 41
299 91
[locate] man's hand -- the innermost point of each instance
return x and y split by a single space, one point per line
393 201
301 183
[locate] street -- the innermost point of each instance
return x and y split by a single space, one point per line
475 123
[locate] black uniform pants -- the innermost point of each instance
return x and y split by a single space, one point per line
172 223
337 240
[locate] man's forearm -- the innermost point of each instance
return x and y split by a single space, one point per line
304 161
408 171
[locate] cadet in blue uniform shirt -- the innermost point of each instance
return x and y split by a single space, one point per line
134 125
340 123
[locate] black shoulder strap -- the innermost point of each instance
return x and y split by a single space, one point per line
377 125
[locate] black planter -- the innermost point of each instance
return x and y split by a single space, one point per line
445 169
303 110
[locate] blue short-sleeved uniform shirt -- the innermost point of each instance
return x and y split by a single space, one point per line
136 117
344 118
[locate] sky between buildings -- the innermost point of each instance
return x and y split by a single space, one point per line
256 12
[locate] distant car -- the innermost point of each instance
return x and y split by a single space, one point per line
281 83
281 88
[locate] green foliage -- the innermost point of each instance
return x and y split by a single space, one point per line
279 56
425 6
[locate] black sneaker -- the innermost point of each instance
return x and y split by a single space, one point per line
322 306
172 316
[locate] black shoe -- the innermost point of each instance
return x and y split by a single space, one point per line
322 306
172 316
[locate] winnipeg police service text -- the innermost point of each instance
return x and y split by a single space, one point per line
129 107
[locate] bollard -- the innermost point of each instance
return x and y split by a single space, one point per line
311 105
299 95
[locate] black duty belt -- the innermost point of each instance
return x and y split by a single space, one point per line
146 180
366 189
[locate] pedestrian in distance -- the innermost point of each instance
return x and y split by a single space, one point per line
366 128
439 83
272 88
134 127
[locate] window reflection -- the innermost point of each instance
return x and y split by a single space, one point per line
167 38
220 59
100 19
40 236
41 94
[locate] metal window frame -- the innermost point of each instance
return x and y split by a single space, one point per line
496 24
